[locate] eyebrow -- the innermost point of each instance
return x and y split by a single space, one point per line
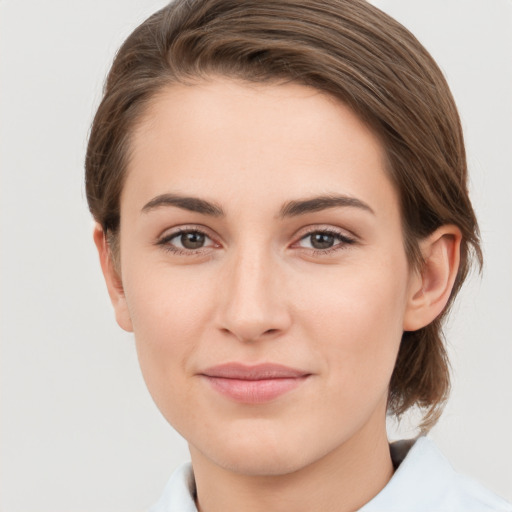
289 209
193 204
316 204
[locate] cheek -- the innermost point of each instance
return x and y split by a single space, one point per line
164 302
357 323
168 312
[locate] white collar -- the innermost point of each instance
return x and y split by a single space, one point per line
424 482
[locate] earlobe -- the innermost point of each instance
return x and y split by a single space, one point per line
431 286
112 279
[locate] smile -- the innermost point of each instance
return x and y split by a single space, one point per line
253 384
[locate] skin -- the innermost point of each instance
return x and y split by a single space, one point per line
259 291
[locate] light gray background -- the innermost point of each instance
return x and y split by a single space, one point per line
78 429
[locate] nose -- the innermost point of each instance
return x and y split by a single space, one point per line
253 304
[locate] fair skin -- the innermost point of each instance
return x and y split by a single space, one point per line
268 273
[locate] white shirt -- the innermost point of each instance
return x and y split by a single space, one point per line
423 482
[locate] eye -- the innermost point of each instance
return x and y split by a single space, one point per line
186 240
190 240
324 240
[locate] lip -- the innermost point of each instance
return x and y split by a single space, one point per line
253 384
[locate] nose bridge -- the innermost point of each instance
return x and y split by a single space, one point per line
253 305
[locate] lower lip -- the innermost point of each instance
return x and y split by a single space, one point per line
254 391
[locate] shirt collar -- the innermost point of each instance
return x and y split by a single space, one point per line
422 476
423 482
179 493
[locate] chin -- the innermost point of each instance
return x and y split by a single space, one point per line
264 463
257 454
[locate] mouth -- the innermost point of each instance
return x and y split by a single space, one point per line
254 384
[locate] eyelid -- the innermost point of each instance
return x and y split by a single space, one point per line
180 228
345 237
170 233
325 228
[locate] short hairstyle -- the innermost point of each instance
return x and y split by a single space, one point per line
347 49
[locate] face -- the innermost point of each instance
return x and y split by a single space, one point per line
263 272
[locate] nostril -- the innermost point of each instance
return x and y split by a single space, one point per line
249 336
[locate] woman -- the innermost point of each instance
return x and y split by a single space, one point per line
283 222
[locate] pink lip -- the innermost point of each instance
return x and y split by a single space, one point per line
253 384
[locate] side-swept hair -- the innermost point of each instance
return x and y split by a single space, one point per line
348 49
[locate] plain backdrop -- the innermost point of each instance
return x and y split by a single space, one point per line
79 432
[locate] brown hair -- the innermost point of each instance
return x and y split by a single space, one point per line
347 49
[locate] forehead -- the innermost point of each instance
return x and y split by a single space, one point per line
253 142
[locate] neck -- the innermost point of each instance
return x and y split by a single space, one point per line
342 481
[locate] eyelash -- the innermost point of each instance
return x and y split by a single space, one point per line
343 241
165 242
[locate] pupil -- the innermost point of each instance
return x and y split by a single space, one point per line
322 240
192 240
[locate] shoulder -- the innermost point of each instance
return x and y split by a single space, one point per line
473 496
426 482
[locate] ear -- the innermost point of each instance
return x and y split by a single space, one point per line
430 287
112 279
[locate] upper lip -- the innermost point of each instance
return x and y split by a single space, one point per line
253 372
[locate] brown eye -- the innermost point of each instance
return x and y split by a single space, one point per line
186 241
325 241
192 240
322 240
